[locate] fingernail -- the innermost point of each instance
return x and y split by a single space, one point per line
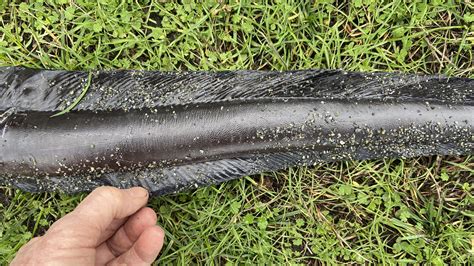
138 192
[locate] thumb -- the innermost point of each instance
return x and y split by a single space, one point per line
102 207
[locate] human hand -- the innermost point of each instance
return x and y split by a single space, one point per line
110 226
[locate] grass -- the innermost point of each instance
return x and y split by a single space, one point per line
383 211
79 98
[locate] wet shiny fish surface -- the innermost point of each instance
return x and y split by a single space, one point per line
169 131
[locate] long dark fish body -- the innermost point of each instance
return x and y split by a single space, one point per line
170 131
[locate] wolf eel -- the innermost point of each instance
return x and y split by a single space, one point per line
169 131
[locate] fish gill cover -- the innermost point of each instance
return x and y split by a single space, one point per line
167 131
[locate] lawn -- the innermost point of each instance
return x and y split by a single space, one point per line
383 211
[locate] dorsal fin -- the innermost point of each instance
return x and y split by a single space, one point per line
51 90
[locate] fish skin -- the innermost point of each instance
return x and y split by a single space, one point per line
200 128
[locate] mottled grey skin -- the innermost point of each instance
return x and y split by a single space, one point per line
172 131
